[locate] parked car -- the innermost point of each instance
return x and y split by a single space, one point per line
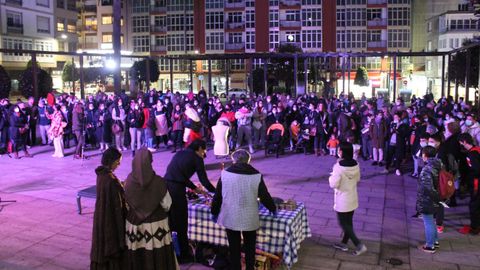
237 91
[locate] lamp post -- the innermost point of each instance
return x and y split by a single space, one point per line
117 46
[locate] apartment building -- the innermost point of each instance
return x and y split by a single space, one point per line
446 30
26 25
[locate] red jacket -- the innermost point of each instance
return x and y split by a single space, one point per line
146 113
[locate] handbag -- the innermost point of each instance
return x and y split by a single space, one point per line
117 128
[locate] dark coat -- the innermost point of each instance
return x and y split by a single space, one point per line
427 188
108 237
378 133
17 122
183 165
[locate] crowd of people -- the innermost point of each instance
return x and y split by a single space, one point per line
435 134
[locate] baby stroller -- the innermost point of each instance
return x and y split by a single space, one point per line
274 140
300 138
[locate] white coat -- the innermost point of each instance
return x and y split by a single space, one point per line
220 136
344 182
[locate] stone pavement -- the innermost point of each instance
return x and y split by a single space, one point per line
42 230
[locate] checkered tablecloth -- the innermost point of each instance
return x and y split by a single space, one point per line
281 234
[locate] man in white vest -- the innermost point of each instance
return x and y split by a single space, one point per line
236 206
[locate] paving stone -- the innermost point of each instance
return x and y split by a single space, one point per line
53 236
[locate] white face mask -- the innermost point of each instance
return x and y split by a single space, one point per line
423 144
433 144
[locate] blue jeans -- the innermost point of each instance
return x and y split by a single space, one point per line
431 235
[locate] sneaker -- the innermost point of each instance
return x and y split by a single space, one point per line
465 230
426 249
417 215
398 173
340 246
437 244
152 149
440 229
360 250
375 163
414 175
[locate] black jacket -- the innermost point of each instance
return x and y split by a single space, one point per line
183 165
263 193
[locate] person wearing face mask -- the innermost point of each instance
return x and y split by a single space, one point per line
161 124
259 125
67 131
18 131
365 136
344 179
103 119
473 176
78 128
397 143
56 130
135 119
450 165
472 127
428 197
118 126
378 133
92 139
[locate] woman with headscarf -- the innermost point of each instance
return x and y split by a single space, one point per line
149 239
108 237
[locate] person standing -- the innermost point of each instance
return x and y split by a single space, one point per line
56 130
18 131
161 124
149 202
244 121
177 128
344 179
103 130
235 205
428 197
43 121
135 119
118 126
182 166
32 111
378 134
473 176
78 128
108 235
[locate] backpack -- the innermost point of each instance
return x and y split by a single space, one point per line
446 186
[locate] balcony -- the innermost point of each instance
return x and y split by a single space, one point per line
15 28
290 24
158 9
158 28
14 2
377 22
377 44
235 25
91 46
291 43
89 28
287 4
235 4
234 46
376 2
158 48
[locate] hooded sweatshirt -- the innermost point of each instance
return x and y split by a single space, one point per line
344 179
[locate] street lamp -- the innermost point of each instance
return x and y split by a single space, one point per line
110 64
64 36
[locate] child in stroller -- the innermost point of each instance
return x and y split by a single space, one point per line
300 137
274 142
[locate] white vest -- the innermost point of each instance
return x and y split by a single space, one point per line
239 211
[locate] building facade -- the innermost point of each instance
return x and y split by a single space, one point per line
27 25
446 29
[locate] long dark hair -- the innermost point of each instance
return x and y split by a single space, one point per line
347 150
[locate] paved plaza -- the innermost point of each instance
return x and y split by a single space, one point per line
42 230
